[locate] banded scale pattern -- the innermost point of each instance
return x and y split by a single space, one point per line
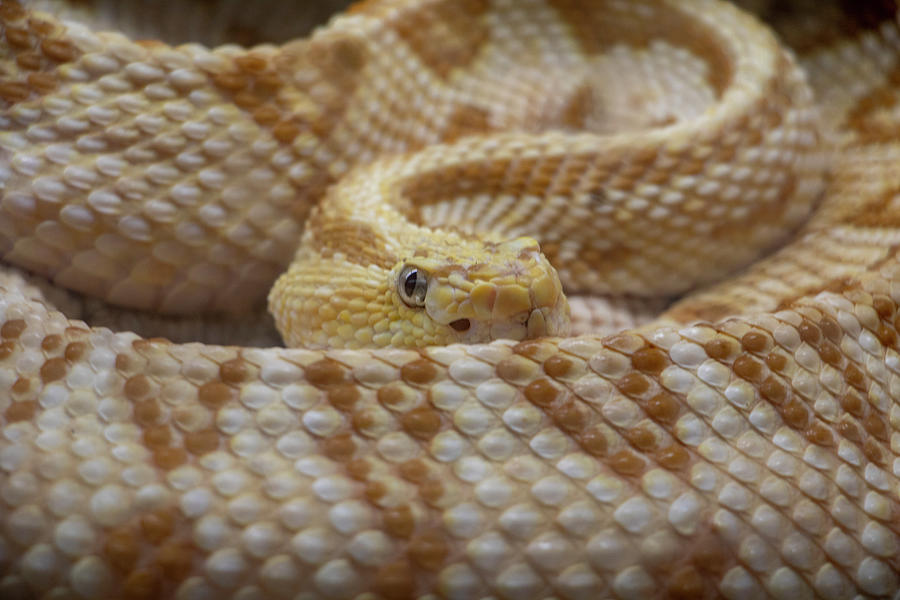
740 457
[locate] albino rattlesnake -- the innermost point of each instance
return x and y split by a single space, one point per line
753 456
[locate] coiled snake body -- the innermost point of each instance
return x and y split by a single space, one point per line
741 443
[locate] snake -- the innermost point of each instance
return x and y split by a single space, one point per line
585 299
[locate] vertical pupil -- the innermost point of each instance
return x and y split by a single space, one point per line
409 286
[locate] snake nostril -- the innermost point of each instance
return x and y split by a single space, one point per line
460 325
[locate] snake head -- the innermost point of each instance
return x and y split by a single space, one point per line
504 290
448 289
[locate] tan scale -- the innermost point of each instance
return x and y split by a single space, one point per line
737 443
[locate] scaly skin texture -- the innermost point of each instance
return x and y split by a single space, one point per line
744 457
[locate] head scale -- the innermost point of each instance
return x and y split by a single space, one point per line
508 291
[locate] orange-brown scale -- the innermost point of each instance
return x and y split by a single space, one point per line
824 335
756 342
215 394
886 328
722 348
642 438
543 393
422 423
662 407
339 447
578 108
466 119
343 396
439 185
558 366
363 422
39 47
201 442
664 410
863 119
673 457
151 555
342 393
593 440
820 435
627 462
395 581
884 306
357 242
426 546
749 368
12 329
237 370
397 397
261 86
861 423
11 10
423 546
51 343
686 583
794 411
536 350
855 377
339 60
886 335
570 416
445 35
19 405
515 369
170 444
795 414
875 452
634 385
650 360
429 549
7 348
809 333
706 559
325 372
253 84
53 369
852 403
849 430
626 343
568 413
831 354
76 342
20 411
419 372
128 363
773 390
21 386
597 29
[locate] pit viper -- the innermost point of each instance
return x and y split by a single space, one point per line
718 197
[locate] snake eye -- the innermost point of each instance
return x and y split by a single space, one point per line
412 285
